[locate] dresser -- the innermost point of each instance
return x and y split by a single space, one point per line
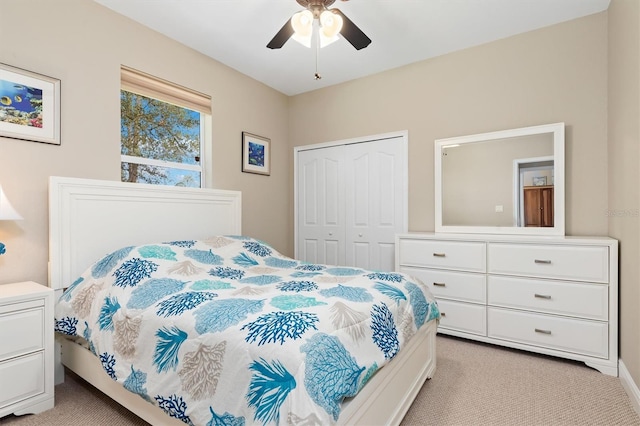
552 295
26 348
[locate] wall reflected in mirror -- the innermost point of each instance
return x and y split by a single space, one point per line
478 180
501 182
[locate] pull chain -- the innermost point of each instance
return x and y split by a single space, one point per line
317 75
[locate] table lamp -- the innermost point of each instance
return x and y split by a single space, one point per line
7 212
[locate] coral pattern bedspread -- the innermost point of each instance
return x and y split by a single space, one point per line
229 331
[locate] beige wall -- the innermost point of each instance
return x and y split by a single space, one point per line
624 162
554 74
83 44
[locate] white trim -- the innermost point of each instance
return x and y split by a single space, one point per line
629 386
404 134
206 151
160 163
362 139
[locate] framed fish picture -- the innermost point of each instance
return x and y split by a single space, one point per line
256 154
29 105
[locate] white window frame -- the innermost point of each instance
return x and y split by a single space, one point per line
143 84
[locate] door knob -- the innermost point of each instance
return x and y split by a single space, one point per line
359 235
330 233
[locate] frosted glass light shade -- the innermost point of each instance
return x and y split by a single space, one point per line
7 212
302 23
331 24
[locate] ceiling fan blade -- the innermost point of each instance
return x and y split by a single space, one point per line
351 32
282 36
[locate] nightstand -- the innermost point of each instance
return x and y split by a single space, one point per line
26 348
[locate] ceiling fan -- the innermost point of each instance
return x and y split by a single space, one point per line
332 22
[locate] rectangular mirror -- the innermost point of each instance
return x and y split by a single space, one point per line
504 182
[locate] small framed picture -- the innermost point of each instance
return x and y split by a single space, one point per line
29 105
539 181
256 154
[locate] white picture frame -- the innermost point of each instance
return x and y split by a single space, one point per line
29 105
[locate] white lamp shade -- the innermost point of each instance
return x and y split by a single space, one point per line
302 23
325 41
331 23
7 212
330 26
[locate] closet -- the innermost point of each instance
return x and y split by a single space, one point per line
351 200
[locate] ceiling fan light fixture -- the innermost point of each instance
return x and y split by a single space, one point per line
330 26
302 23
325 41
330 23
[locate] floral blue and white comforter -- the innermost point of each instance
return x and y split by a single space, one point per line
229 331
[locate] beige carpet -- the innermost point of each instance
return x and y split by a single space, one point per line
475 384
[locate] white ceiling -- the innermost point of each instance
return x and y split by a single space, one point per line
236 32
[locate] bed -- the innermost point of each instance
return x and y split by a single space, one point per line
230 330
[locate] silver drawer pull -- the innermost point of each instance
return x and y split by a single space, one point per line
438 254
544 262
542 296
440 284
538 330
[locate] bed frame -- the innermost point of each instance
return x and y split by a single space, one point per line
90 218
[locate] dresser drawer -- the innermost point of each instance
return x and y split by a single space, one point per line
458 255
579 263
570 335
462 286
25 375
21 328
585 300
465 317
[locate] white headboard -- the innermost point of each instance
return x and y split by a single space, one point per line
91 218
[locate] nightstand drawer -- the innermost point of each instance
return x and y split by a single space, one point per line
21 328
25 376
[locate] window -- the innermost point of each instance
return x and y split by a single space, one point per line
163 128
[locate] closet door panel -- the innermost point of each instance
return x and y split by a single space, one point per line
388 191
359 190
360 253
374 202
309 194
387 256
321 223
331 255
333 201
310 250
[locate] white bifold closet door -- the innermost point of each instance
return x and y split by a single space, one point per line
351 201
321 206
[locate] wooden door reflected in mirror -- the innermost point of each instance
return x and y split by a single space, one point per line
538 206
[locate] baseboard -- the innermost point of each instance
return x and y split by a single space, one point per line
629 386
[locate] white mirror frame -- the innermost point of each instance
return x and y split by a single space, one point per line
557 129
